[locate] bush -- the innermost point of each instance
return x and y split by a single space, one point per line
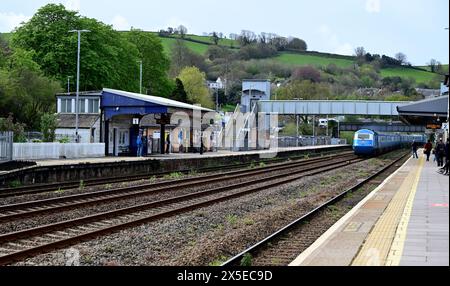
256 51
7 124
48 126
64 140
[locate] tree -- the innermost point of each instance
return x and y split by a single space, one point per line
48 126
306 73
401 57
182 30
360 52
215 38
194 82
182 56
280 43
179 93
109 64
8 124
433 64
155 63
24 91
247 37
297 44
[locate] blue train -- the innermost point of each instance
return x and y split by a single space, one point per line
369 142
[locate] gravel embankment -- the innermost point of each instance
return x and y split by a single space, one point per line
209 235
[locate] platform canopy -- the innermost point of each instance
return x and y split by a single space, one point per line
117 102
426 112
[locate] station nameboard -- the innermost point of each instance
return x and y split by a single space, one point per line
434 126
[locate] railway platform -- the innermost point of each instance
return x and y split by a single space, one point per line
403 222
175 156
63 170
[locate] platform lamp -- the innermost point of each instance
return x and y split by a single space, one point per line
78 81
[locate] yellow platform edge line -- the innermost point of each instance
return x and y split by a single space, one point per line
343 221
375 249
396 251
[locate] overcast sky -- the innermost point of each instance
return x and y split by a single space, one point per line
414 27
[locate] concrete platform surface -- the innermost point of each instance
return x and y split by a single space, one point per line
172 156
404 221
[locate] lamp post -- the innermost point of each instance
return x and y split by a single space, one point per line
140 76
78 81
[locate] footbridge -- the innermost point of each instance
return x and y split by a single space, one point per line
331 107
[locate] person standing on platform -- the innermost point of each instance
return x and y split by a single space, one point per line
168 144
139 145
440 153
444 170
414 150
201 146
428 147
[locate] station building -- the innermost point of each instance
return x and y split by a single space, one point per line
116 118
88 118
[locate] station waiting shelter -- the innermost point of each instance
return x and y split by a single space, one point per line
122 112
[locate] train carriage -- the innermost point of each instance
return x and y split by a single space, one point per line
368 142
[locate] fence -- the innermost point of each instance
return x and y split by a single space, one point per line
286 142
6 146
41 151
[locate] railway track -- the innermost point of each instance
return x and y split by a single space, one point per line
39 207
284 245
42 188
25 243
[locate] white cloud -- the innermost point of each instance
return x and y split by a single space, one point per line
331 39
175 23
120 23
10 20
345 49
73 5
373 6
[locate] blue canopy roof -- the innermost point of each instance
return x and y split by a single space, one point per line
117 102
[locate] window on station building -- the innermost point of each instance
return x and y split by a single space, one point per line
66 105
93 106
81 106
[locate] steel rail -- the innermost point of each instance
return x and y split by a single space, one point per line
20 210
26 234
42 188
283 231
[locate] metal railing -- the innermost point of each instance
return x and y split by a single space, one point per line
6 146
286 142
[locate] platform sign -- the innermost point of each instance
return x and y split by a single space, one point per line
135 121
434 126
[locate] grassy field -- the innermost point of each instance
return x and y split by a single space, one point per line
301 60
195 47
222 42
445 67
419 76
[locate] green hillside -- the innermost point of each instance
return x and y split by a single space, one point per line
196 47
315 60
293 59
444 67
418 75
